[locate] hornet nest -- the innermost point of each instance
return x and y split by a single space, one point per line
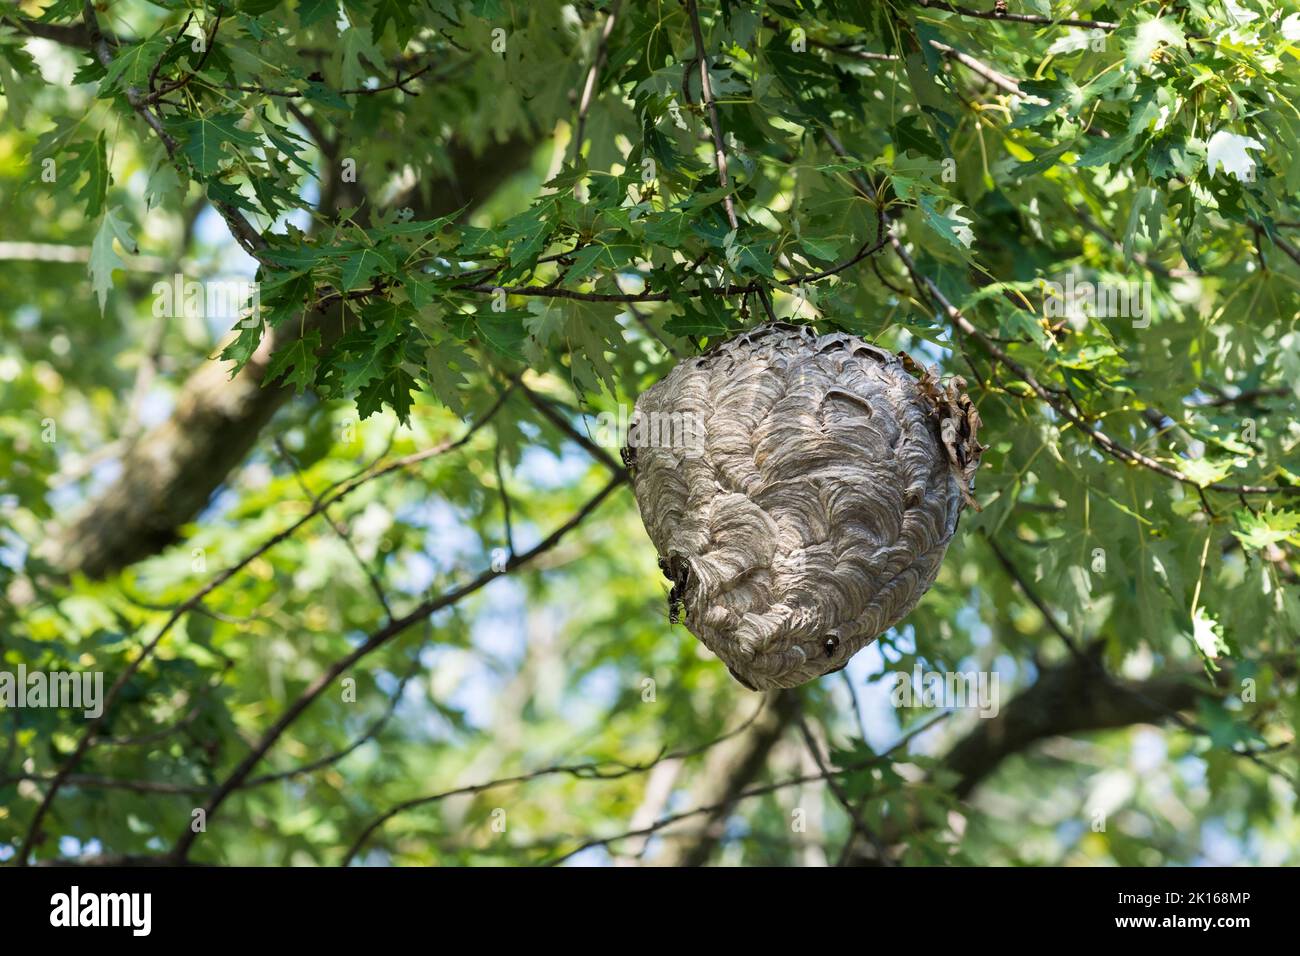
801 491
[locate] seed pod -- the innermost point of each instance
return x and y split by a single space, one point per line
801 491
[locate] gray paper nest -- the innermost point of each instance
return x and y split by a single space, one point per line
801 491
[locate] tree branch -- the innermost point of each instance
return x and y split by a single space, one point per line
1067 700
1018 17
1098 438
249 238
589 87
706 96
376 640
735 795
171 472
599 770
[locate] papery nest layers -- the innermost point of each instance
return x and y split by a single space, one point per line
801 491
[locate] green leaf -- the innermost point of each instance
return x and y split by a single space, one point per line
396 12
1261 529
356 43
1044 161
1203 471
360 267
19 81
934 101
241 348
311 12
62 10
909 134
448 367
319 93
296 361
228 194
593 333
670 228
164 186
298 257
1208 635
91 159
503 331
371 357
393 389
1149 37
132 63
203 139
1144 217
104 258
421 288
703 316
289 143
599 255
545 324
949 223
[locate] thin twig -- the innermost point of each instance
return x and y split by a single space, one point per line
1018 17
560 422
755 791
855 818
583 771
249 238
1022 582
338 529
589 88
505 496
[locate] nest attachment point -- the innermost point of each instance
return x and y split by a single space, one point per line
801 491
